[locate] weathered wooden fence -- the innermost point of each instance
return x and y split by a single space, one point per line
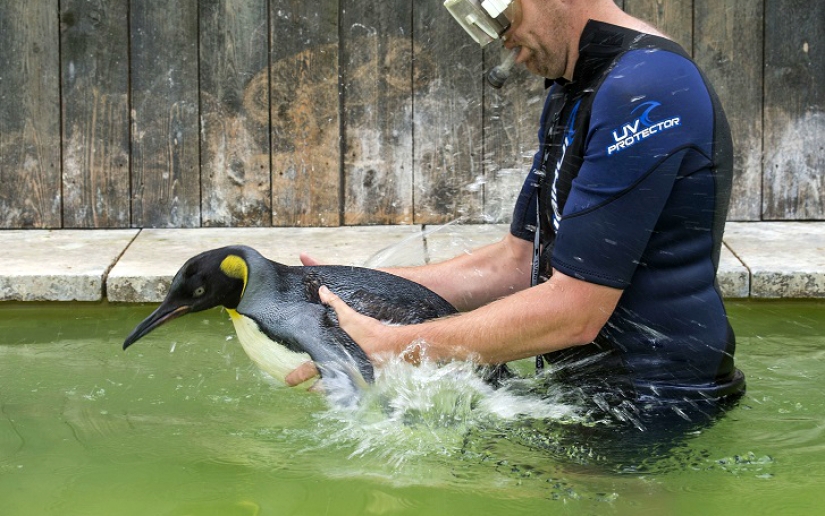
186 113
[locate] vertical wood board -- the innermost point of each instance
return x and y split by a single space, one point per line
794 182
377 71
235 157
425 137
95 84
305 106
165 129
447 118
29 115
727 47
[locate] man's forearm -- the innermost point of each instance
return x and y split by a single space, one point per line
471 280
561 313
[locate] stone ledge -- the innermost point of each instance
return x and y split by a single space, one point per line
59 265
785 259
759 260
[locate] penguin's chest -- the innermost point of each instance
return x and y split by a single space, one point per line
272 357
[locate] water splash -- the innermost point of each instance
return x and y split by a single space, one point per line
399 253
417 412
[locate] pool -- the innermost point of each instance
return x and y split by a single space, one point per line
182 424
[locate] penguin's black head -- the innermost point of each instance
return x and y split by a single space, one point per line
210 279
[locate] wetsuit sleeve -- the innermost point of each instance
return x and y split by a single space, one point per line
523 224
652 111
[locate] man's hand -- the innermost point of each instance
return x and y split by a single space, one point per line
304 372
365 331
307 260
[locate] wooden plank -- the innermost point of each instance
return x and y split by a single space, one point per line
726 35
673 17
235 161
165 140
95 73
447 118
377 71
306 171
794 183
29 115
511 121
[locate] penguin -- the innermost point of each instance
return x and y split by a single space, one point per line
278 316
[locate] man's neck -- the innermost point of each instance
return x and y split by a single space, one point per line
604 11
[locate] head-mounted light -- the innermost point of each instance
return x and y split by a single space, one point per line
483 20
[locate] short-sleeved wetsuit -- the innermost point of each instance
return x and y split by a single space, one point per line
632 181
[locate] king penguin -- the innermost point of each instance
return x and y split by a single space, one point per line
278 316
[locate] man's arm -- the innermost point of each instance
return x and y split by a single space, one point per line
473 279
561 313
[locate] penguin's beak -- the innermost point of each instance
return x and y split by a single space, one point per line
164 313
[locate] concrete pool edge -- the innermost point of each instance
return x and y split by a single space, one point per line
766 260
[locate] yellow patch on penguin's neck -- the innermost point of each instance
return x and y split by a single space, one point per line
235 267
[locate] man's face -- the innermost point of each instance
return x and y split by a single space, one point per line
540 28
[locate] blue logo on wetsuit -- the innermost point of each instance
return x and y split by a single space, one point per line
640 129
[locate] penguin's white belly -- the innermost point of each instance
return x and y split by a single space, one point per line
272 357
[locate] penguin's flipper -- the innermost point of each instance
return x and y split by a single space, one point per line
341 377
342 383
306 327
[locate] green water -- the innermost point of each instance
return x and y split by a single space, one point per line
183 424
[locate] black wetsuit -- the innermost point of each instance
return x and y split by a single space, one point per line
632 181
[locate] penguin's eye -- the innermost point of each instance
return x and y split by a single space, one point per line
199 292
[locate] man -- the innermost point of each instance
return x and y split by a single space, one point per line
629 189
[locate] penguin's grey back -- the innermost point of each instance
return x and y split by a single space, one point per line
378 294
